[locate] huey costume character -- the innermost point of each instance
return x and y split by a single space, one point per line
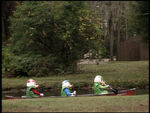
99 85
65 91
30 91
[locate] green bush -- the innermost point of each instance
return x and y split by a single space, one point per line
6 60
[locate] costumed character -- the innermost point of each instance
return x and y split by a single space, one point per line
65 91
31 89
99 85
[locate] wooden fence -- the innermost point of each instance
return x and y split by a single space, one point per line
133 50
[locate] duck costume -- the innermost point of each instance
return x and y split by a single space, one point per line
65 90
99 85
30 91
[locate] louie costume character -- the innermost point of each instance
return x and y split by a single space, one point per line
65 91
99 85
31 89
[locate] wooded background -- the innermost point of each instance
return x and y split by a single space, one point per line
49 37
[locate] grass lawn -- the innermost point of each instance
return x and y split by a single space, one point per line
118 73
138 103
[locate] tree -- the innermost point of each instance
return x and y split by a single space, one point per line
115 28
108 12
50 37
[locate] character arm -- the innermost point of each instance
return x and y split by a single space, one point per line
66 90
103 87
36 92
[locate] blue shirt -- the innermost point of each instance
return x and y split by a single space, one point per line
66 90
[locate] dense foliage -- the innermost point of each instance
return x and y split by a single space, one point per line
49 37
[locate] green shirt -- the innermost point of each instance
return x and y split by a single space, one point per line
29 93
99 89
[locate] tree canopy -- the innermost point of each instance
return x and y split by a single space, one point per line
50 37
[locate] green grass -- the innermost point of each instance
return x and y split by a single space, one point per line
137 103
117 74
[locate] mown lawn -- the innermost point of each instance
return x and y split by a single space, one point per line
118 74
138 103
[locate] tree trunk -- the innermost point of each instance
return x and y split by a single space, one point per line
118 39
7 10
126 28
111 44
111 36
3 31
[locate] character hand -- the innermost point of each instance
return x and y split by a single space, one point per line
102 82
72 95
41 94
74 92
107 85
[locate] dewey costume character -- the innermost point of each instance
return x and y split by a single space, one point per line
65 91
30 91
99 85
